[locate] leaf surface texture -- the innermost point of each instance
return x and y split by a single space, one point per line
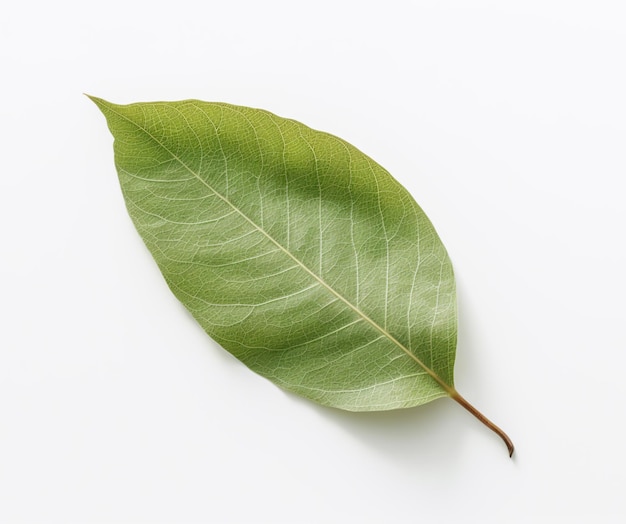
295 251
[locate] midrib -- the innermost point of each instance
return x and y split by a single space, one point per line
447 388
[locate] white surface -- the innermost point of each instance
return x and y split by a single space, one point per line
505 120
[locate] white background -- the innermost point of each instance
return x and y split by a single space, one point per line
507 122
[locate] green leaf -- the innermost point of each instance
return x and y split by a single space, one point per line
293 250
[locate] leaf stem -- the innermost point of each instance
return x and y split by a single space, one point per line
458 398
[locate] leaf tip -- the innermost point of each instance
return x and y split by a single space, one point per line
100 102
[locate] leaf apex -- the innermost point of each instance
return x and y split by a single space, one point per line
100 102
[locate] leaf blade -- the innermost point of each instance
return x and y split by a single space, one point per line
357 312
